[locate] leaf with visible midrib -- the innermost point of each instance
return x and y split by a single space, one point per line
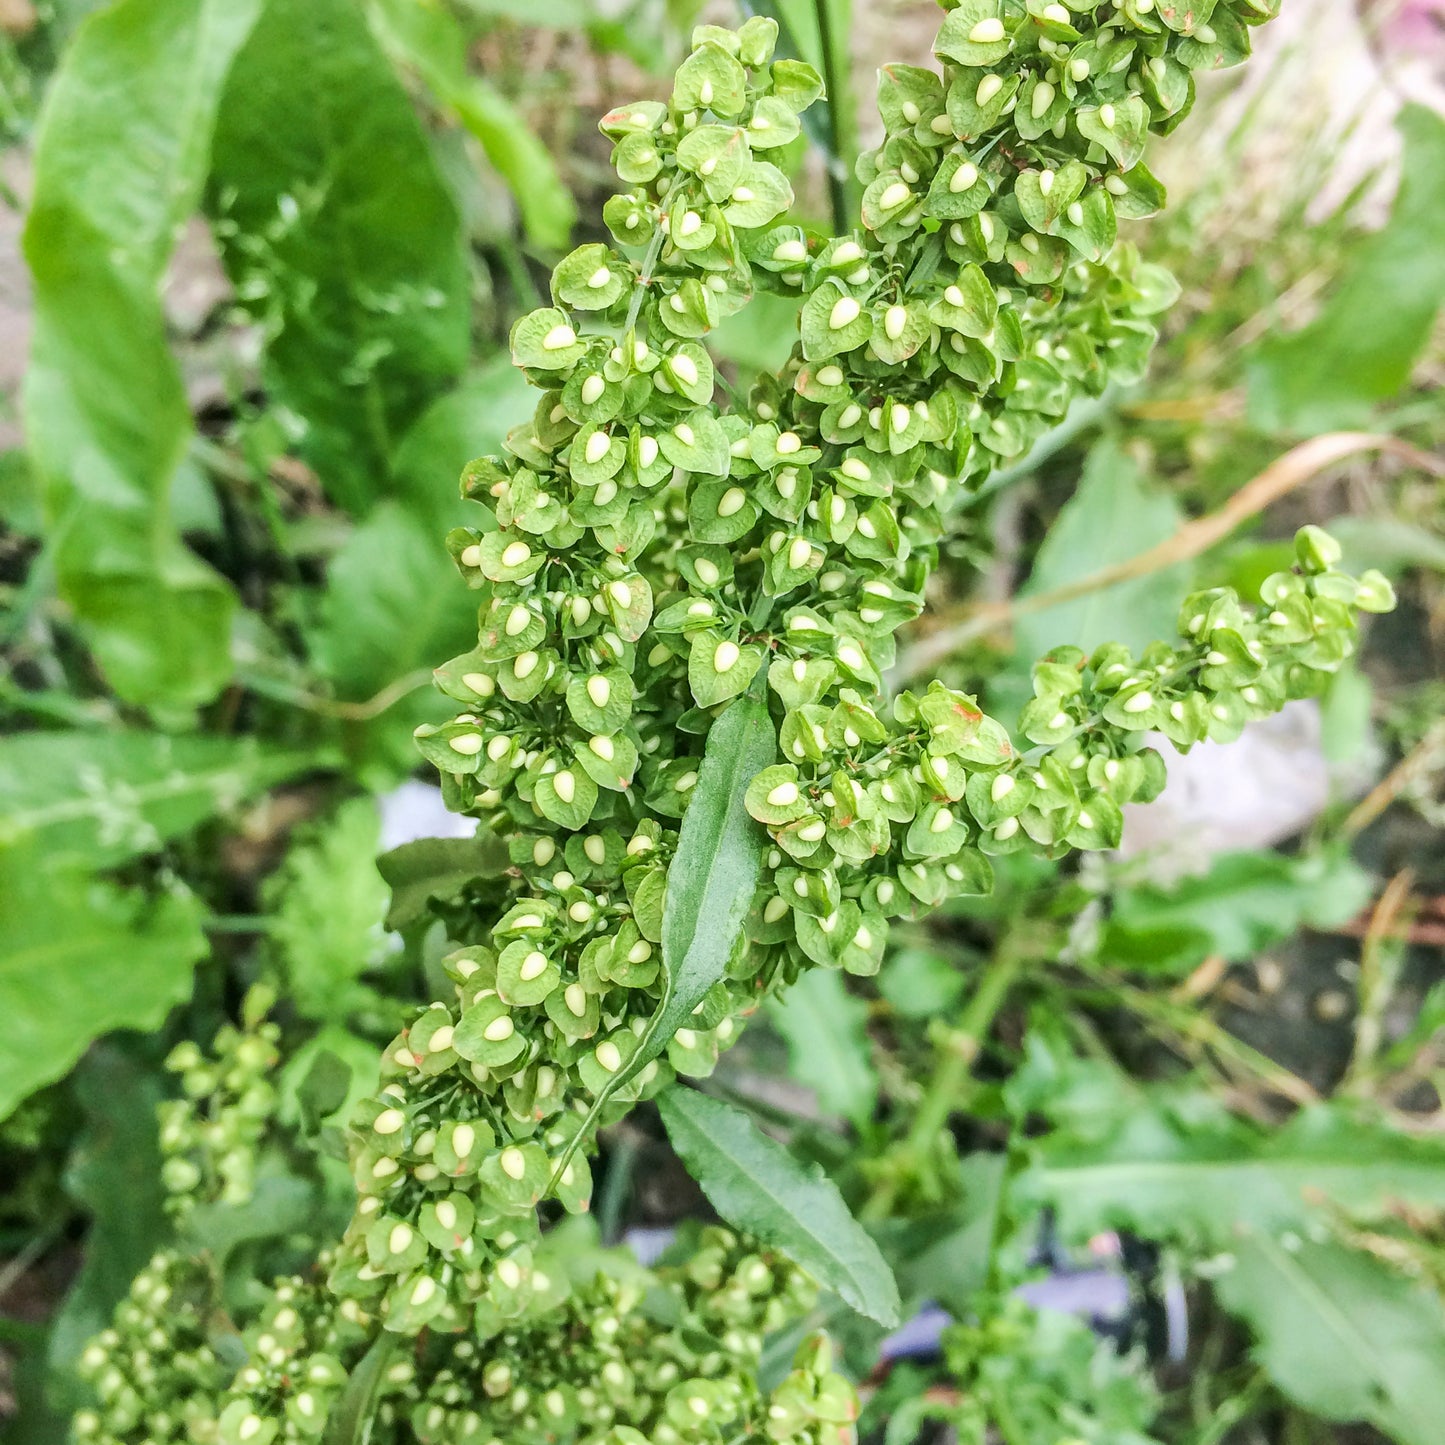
714 873
1174 1165
349 1422
109 796
710 882
759 1188
1342 1334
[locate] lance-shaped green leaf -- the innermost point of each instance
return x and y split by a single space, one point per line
339 233
120 161
759 1188
710 883
350 1420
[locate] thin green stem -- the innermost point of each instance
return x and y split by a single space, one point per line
952 1081
837 102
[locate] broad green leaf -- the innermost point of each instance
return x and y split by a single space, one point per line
114 1174
120 161
1342 1334
104 797
340 235
393 605
425 38
1361 348
828 1044
469 421
1113 516
1174 1165
710 883
1245 902
436 868
78 958
327 904
759 1188
393 602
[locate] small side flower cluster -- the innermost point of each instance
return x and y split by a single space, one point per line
211 1134
874 819
587 1347
152 1370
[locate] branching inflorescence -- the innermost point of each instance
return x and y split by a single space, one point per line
645 556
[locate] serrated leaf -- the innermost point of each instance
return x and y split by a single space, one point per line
1342 1334
119 167
759 1188
78 958
827 1043
327 904
1174 1165
339 233
107 796
1361 348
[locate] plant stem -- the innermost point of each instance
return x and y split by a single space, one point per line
1189 1023
950 1086
1381 956
837 166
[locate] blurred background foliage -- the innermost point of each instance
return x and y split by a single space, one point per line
257 262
